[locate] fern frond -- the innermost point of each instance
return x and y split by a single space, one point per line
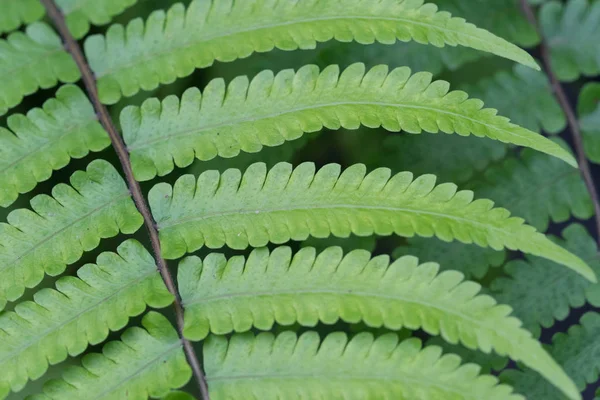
487 361
541 292
455 159
18 12
170 45
539 189
61 323
579 353
471 261
179 395
572 30
285 204
45 140
272 109
32 60
60 228
79 14
222 296
144 363
266 367
523 95
588 108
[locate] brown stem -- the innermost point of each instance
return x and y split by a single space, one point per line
138 197
561 96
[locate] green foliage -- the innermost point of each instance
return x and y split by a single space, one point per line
32 60
272 109
539 189
589 120
142 56
541 291
45 140
222 296
79 14
305 368
145 362
258 208
572 30
60 228
523 95
82 310
578 351
17 12
472 261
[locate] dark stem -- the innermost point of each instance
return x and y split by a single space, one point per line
138 197
563 100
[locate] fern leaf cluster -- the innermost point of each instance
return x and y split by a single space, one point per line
58 229
328 315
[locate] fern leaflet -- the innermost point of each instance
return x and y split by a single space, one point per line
17 12
32 60
272 109
539 189
542 292
83 310
572 30
144 363
285 204
170 45
45 140
223 296
80 13
62 227
339 368
588 108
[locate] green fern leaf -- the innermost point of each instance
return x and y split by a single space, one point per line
252 368
488 362
62 227
572 30
588 108
578 351
178 395
471 261
272 109
222 296
537 189
285 204
523 95
17 12
80 13
45 140
144 363
455 159
168 47
541 292
83 310
32 60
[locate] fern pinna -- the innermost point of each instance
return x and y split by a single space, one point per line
160 139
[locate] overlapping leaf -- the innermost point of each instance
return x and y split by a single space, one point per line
572 30
536 188
541 291
61 323
588 108
60 228
171 45
79 14
144 363
292 204
32 60
272 109
45 140
222 296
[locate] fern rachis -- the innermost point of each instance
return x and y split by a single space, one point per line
369 304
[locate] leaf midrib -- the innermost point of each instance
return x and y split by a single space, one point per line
231 122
